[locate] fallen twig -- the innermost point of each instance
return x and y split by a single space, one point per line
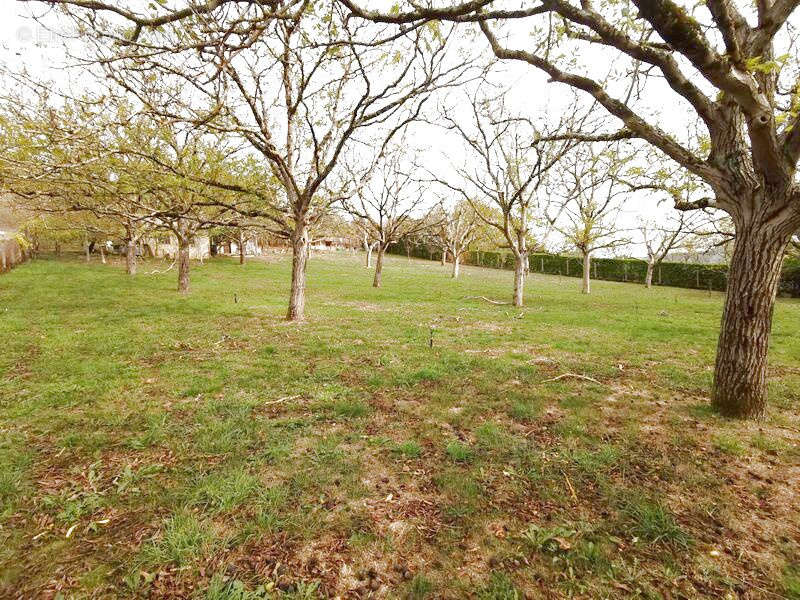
284 399
497 302
569 485
156 271
575 375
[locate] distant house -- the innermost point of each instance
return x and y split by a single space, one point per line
716 255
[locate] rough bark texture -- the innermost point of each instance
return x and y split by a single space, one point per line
297 297
130 257
376 282
456 266
648 280
519 280
183 266
587 274
740 376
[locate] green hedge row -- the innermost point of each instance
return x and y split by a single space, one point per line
685 275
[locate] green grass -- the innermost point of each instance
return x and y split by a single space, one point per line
167 446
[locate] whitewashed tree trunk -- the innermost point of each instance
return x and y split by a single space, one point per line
648 281
456 265
519 279
297 297
587 273
102 254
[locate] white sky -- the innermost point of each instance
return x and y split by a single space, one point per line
24 44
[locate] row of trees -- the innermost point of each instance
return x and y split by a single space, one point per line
312 96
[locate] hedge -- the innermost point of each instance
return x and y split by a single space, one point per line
685 275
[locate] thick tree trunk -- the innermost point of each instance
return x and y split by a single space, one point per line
183 265
297 296
519 279
241 247
740 376
456 265
130 257
648 280
587 273
376 281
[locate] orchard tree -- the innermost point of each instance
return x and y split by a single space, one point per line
734 67
592 202
458 228
387 206
297 81
504 180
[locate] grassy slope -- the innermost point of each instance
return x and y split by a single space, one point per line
198 447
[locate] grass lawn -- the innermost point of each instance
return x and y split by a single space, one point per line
160 446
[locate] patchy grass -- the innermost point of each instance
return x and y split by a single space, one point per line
155 445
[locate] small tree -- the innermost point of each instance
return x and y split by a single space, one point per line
592 203
505 179
385 207
457 230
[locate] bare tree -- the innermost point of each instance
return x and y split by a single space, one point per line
387 205
458 229
736 72
297 80
504 183
588 216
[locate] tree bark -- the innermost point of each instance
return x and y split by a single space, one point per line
297 296
241 247
368 250
648 281
740 375
587 273
444 259
130 257
102 253
519 279
456 265
87 248
377 280
183 265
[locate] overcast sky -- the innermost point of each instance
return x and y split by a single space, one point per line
39 50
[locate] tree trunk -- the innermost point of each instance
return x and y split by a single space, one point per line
183 265
444 260
456 265
241 247
587 273
368 250
102 253
88 248
130 257
297 297
740 375
58 249
376 282
648 281
519 279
